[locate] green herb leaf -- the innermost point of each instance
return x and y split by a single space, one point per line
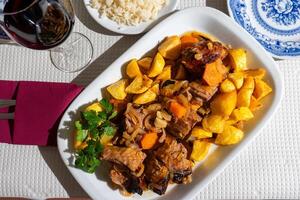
81 134
91 117
88 159
113 115
106 105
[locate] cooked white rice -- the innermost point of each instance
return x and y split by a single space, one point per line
129 12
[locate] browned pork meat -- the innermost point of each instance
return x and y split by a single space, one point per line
174 157
132 158
180 128
196 56
157 175
121 177
202 91
134 118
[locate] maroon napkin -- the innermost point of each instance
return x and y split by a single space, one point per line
39 107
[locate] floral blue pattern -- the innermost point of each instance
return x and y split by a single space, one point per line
238 10
283 12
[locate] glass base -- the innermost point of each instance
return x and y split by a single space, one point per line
74 54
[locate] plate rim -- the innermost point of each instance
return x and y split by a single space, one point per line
286 56
278 94
148 25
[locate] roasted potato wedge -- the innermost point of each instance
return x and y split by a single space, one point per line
261 90
213 123
200 150
238 59
255 73
155 88
245 93
165 74
242 114
237 78
170 47
139 85
230 135
254 104
227 86
200 133
132 69
224 103
156 66
144 98
95 107
117 89
145 63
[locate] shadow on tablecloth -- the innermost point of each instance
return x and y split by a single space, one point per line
52 158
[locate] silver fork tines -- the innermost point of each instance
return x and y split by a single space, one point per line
7 103
6 116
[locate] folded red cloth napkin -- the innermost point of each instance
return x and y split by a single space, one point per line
39 107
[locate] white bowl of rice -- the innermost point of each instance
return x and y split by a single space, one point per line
129 16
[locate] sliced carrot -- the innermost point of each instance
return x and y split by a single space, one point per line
177 109
149 140
214 73
188 40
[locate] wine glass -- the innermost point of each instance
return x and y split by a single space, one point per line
47 25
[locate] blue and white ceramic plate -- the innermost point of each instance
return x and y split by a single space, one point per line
275 24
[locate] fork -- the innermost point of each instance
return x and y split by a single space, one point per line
7 103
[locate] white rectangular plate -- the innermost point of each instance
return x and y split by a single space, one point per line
203 19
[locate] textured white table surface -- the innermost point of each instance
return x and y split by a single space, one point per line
268 168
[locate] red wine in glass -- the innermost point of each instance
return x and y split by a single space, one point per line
37 24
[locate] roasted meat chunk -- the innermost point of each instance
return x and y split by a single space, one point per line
180 128
156 175
123 178
174 156
195 57
202 91
132 158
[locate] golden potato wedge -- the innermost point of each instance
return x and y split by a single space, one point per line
255 73
237 78
230 122
144 98
254 104
139 85
200 133
230 135
155 88
213 123
224 103
227 86
105 139
156 66
145 63
132 69
245 93
170 47
95 107
165 74
238 59
242 114
181 73
261 90
117 89
200 150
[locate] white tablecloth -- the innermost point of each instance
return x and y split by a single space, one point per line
268 168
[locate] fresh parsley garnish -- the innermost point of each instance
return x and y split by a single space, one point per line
108 107
89 130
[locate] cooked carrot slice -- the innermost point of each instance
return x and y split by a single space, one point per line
149 140
177 109
188 40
